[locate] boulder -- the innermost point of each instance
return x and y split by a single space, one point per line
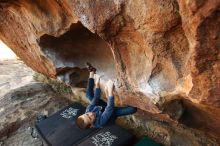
156 51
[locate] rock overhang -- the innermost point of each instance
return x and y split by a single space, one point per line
154 50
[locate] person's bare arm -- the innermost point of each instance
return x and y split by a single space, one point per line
109 109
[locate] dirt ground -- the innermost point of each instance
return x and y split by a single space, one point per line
21 100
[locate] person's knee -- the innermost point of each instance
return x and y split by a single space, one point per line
89 95
135 109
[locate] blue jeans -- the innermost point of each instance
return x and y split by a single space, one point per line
118 111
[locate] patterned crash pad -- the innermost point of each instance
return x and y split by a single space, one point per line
60 129
111 135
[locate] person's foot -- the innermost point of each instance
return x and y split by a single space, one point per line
91 75
90 67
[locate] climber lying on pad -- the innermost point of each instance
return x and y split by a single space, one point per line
98 113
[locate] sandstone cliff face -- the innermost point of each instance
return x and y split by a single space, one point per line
162 55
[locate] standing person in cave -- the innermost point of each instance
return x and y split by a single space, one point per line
99 113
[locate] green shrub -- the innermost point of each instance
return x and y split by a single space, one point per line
58 86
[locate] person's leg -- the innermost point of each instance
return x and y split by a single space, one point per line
90 86
123 111
98 92
97 86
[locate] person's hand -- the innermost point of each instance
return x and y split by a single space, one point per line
97 80
109 88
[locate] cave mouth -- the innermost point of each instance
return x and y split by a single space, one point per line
76 47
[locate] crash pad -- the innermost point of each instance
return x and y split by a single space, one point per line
60 129
111 135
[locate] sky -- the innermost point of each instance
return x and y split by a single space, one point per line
5 52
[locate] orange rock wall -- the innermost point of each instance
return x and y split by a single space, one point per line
156 51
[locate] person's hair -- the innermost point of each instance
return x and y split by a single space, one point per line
81 123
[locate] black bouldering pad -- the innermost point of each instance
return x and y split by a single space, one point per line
111 135
60 129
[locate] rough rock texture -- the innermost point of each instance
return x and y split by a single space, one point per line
22 99
162 55
19 108
143 123
14 74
